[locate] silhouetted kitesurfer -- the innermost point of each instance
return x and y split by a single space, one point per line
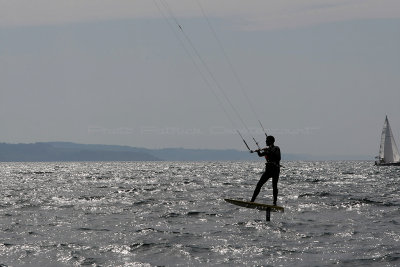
272 167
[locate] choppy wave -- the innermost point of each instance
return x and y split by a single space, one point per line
173 214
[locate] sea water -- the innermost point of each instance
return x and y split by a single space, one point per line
174 214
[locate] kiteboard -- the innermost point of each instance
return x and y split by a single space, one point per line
258 206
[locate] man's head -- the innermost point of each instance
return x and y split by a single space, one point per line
270 140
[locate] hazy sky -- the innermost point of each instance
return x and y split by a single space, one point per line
320 75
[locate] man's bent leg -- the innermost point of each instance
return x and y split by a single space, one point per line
264 178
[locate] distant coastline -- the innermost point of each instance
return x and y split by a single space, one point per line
67 151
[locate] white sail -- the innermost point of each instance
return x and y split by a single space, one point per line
388 152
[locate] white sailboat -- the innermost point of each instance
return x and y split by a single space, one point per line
388 152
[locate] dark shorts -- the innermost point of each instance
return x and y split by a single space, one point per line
271 170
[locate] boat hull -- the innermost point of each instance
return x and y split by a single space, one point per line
387 164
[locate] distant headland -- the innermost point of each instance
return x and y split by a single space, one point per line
67 151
